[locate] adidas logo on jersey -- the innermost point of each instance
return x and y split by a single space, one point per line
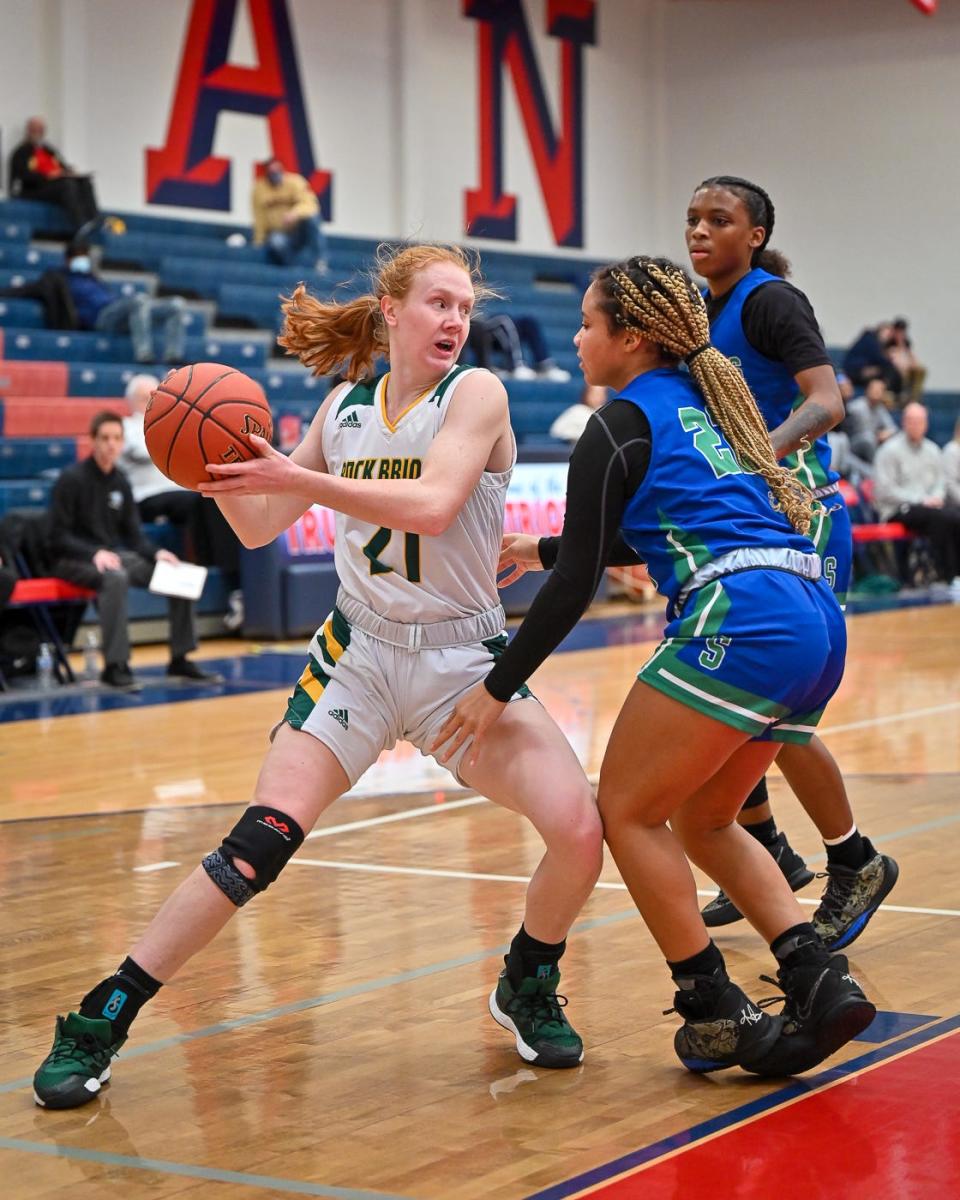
350 421
341 715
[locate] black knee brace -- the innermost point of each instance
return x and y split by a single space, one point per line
263 837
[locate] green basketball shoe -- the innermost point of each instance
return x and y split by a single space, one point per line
78 1064
533 1013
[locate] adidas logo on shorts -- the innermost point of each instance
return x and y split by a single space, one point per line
350 421
341 715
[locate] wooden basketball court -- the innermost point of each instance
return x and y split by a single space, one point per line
335 1041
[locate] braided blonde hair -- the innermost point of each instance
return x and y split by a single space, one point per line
330 335
656 297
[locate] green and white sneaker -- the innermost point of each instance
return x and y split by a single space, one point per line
533 1013
78 1064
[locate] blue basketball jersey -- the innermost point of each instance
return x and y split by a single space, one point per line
696 502
773 387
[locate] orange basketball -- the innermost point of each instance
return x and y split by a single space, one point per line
204 413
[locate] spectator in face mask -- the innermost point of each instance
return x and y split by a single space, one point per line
286 218
101 306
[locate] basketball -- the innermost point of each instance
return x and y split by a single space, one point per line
204 413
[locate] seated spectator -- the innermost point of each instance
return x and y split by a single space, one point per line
505 335
8 576
573 420
844 461
951 466
52 291
102 307
210 540
38 172
900 349
98 543
868 358
868 422
909 486
8 581
286 217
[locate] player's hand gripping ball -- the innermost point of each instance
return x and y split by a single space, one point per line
204 413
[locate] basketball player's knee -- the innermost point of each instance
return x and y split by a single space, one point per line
254 853
582 839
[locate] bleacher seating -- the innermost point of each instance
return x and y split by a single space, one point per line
52 383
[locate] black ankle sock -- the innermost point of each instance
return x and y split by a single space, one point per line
851 852
799 944
528 957
704 963
764 831
119 997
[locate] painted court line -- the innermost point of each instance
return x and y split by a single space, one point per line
408 814
909 715
429 872
633 1164
295 1187
367 987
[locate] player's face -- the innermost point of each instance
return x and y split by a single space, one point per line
108 445
720 235
433 319
601 353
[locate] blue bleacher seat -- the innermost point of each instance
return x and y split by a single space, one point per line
23 458
33 493
36 214
20 256
46 345
14 231
111 379
23 314
203 277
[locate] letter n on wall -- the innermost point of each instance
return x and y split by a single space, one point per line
504 41
184 170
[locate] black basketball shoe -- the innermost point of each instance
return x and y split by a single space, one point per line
721 1027
722 911
825 1007
851 897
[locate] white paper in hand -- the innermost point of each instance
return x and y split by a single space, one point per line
178 579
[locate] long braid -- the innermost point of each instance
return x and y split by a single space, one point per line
657 297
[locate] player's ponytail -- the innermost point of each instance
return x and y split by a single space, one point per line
656 297
327 336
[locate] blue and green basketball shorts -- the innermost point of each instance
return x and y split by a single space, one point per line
360 695
836 551
761 650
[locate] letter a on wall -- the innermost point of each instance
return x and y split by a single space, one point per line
504 41
184 170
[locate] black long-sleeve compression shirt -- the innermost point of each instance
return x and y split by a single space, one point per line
608 464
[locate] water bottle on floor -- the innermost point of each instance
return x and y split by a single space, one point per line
91 657
45 677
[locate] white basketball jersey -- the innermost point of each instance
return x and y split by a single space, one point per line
406 576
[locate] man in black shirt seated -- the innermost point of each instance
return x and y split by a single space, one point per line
38 172
98 543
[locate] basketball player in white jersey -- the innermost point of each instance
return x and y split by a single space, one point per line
416 462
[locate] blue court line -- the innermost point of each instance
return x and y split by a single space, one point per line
356 989
296 1186
687 1137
